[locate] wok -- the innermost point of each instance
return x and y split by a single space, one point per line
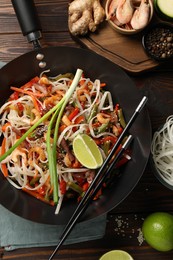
124 92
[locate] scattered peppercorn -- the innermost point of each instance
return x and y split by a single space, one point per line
159 42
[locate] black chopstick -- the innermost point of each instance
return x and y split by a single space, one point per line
100 177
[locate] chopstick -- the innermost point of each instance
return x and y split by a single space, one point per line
100 176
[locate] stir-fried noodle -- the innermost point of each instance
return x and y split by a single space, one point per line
90 110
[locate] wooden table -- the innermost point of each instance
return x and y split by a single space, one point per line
149 195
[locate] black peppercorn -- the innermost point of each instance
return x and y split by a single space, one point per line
159 42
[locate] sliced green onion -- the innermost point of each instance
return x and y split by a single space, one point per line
52 156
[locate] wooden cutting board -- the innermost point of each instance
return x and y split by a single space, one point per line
125 50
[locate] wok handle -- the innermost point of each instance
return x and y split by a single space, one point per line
28 20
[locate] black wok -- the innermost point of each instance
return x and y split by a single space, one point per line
67 59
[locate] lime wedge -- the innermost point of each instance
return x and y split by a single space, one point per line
87 152
116 255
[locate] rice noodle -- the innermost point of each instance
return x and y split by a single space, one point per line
162 150
28 163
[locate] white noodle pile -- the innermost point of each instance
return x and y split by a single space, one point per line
162 150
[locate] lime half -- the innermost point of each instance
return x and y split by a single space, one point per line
116 255
87 152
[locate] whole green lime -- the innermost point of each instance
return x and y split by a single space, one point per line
157 230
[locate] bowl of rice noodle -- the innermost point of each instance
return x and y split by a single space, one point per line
162 153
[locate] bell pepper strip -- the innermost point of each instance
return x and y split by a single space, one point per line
36 94
20 106
76 164
112 139
85 186
63 186
31 82
38 196
79 119
14 96
3 165
61 128
74 113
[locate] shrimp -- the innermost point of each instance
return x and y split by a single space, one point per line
17 154
53 100
124 11
141 15
37 116
112 9
103 118
67 161
39 151
81 94
112 12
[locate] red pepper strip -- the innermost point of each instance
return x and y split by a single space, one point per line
31 82
61 128
20 106
36 94
117 108
109 138
5 126
63 186
73 113
76 164
3 165
79 119
14 96
38 196
85 186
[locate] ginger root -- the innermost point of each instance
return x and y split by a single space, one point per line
84 16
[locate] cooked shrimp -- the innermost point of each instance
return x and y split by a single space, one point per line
81 94
103 118
17 154
37 116
112 9
39 151
124 11
141 15
112 12
67 161
53 100
44 80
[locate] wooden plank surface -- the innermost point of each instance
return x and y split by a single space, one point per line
125 50
149 195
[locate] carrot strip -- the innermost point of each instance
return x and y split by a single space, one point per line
3 165
36 94
5 126
38 196
61 128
